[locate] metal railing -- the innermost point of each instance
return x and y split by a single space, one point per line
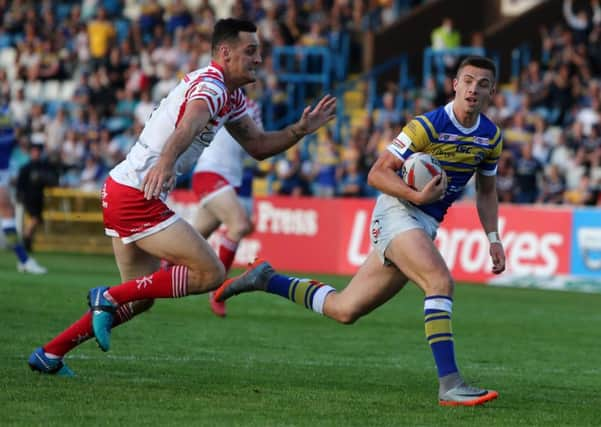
302 69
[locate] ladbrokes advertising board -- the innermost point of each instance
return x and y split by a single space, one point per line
331 236
536 242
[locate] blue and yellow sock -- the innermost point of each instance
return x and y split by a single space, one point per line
309 293
437 312
9 227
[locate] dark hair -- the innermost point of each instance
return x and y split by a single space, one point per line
227 30
479 62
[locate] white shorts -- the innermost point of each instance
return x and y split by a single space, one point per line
392 217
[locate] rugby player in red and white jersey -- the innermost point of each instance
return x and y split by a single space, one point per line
143 228
217 175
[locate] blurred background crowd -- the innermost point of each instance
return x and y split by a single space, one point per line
79 79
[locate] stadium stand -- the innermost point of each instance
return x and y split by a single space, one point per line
112 52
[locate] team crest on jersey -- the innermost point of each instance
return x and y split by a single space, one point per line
447 137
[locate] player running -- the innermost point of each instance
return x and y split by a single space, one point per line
217 177
25 262
404 223
143 228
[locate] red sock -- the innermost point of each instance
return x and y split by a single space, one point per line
170 283
227 251
81 331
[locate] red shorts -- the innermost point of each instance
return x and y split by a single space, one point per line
206 185
128 215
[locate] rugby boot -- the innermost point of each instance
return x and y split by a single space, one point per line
254 279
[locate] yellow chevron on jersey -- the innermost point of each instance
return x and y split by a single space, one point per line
460 151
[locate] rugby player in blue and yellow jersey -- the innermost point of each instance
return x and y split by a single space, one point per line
404 224
8 139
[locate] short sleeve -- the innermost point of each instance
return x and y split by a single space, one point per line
212 91
488 166
413 138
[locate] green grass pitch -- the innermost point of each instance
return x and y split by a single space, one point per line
273 363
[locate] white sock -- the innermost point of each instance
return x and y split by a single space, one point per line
320 298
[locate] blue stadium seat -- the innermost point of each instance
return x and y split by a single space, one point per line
113 7
62 11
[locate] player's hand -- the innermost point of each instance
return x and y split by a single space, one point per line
314 118
497 254
433 191
160 177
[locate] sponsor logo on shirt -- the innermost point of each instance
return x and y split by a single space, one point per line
207 89
448 137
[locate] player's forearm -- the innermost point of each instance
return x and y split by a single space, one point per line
178 142
388 182
488 211
271 143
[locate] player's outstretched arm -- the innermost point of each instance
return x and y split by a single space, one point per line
487 203
162 175
261 144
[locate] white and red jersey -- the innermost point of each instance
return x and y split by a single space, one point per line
225 156
205 83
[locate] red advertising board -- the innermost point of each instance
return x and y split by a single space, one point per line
536 241
331 236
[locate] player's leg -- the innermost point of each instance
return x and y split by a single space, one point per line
373 284
197 270
205 222
132 262
26 263
225 206
34 211
158 231
228 209
414 252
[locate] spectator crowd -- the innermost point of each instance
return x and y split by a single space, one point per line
81 77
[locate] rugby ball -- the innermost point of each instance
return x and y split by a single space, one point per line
419 169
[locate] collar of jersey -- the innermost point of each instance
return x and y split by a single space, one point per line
218 66
449 110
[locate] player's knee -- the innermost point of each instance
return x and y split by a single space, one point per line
205 279
240 229
443 285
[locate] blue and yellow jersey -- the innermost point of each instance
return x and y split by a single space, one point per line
460 151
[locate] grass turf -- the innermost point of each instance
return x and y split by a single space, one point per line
272 363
